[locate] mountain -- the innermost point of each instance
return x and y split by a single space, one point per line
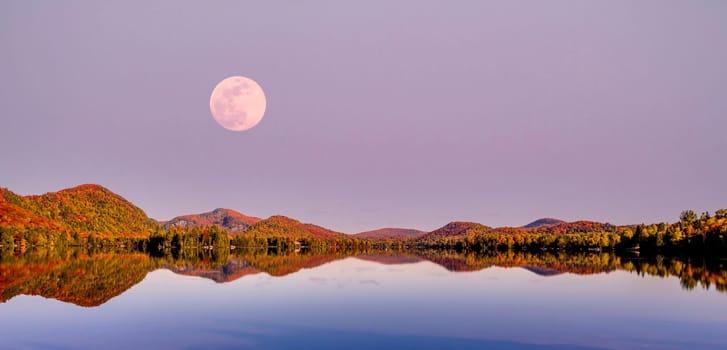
279 225
228 219
391 233
543 222
85 209
457 228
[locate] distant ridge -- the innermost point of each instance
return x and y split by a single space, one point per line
278 224
391 233
457 228
228 219
544 222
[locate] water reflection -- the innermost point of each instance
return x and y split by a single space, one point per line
91 278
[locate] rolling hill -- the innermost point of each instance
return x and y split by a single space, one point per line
228 219
582 226
544 222
457 228
83 209
390 233
88 209
285 226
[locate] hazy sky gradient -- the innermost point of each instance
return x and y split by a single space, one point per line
380 113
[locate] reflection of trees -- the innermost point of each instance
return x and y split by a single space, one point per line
76 277
281 264
245 262
688 282
691 272
583 263
92 277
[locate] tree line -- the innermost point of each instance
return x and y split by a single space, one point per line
692 234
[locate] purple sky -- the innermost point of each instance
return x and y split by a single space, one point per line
380 113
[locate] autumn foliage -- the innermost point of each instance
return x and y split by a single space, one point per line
70 215
91 215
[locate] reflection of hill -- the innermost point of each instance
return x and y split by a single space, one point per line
542 263
88 279
542 271
228 272
93 279
285 264
249 263
695 272
390 259
82 280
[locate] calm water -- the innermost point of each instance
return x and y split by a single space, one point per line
120 301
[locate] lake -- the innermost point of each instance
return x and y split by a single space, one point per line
386 300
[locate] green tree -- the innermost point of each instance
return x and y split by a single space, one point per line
688 217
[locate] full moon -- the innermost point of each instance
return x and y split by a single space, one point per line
238 103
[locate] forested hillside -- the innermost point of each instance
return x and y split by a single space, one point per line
91 215
71 214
